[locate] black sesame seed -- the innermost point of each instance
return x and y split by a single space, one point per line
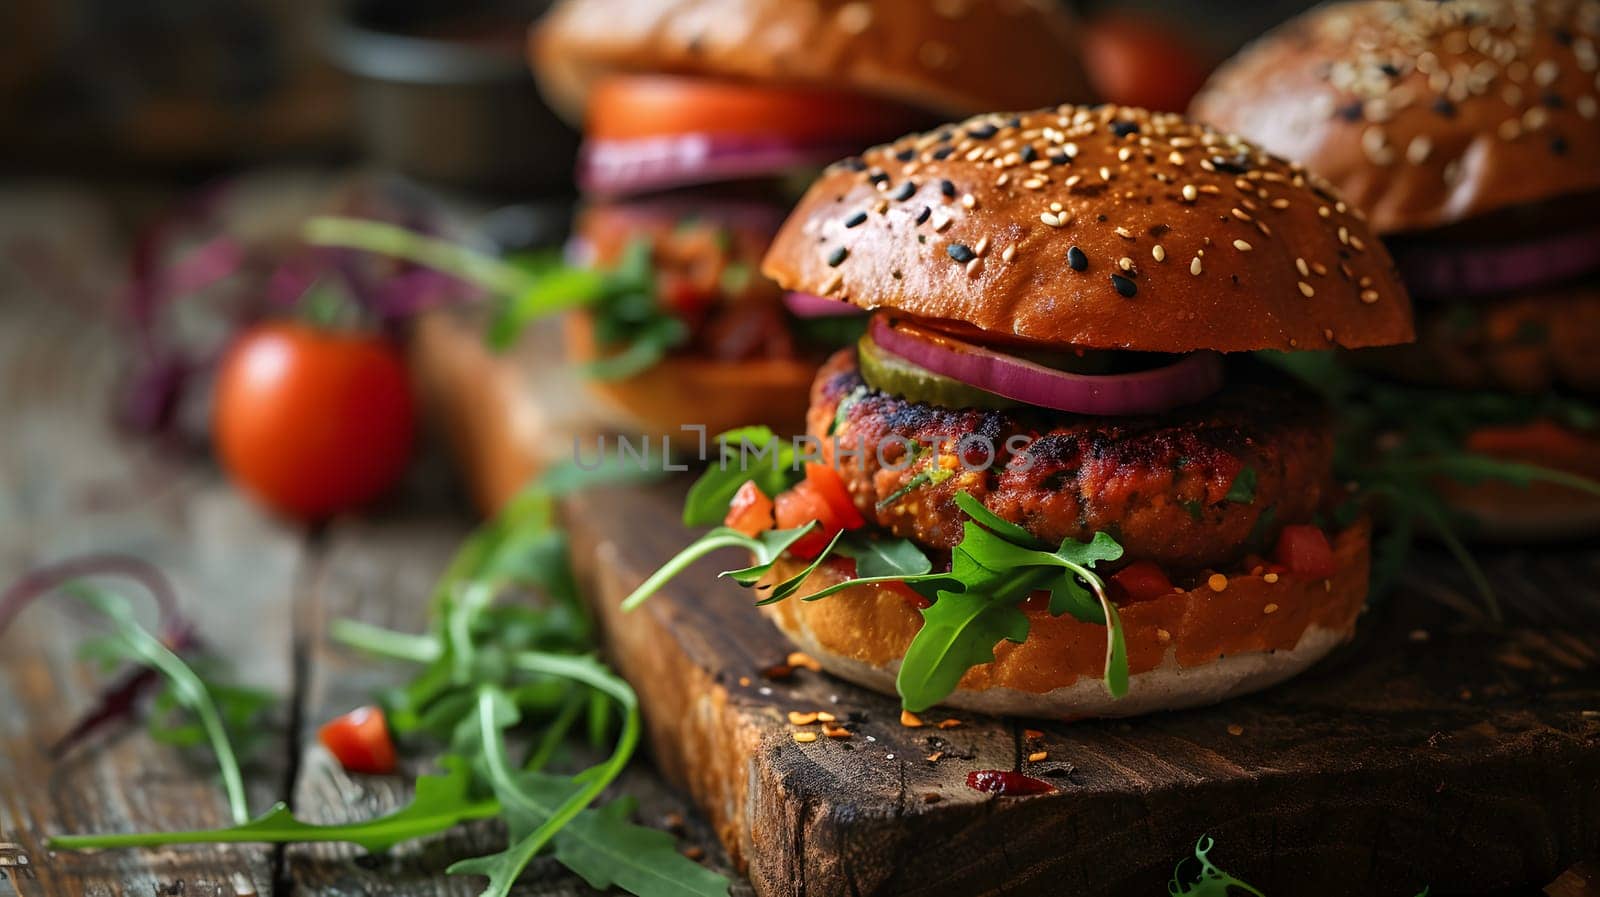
1126 287
961 252
1563 36
1444 107
1028 153
948 189
837 257
878 177
943 152
1076 259
1060 159
856 220
1558 145
904 192
1551 100
1236 165
1390 69
1124 128
1014 122
906 155
983 131
854 163
922 216
1350 111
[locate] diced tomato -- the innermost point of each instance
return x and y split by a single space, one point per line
798 507
680 294
359 740
1141 581
750 512
828 484
1305 551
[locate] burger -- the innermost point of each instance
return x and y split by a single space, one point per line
1051 479
1469 133
702 120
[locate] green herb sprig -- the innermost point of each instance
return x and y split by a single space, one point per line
629 324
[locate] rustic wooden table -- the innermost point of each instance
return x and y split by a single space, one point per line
261 592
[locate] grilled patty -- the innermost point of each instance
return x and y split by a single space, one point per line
1199 487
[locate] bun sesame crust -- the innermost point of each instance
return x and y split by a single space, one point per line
943 55
1102 227
1186 648
1425 113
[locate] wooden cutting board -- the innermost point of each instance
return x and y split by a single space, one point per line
1433 750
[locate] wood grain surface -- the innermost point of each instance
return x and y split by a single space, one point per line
261 592
1431 751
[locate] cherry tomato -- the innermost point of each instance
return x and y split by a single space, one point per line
624 107
1305 551
750 512
830 486
359 740
1141 581
311 422
1134 61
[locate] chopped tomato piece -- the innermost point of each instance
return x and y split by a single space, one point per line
1141 581
750 512
830 486
1305 551
359 740
798 507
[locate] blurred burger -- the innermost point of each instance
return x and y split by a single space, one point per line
1469 133
1041 466
701 117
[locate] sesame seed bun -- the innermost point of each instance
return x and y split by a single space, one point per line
1103 227
941 55
1185 649
1425 113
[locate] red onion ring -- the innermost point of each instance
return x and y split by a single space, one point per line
615 167
805 305
1444 271
1189 379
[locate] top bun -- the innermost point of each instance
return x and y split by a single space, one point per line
1425 113
1101 227
954 57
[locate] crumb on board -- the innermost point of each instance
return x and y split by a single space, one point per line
1038 756
1235 729
910 720
949 723
802 659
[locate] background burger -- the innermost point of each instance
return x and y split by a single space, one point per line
1038 470
1469 132
699 115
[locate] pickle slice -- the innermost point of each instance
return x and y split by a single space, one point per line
887 372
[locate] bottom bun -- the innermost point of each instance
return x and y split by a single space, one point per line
1187 648
684 391
1540 511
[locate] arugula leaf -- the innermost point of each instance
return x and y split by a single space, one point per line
187 689
884 558
440 802
959 631
1243 489
774 470
1209 881
608 851
767 548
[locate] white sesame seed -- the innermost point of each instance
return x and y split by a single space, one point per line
1510 129
1306 290
1419 148
1125 263
1050 219
1588 107
1124 233
1302 267
1159 253
1175 157
974 267
1546 72
982 246
1105 173
854 18
1008 253
1190 194
969 201
1280 203
1194 266
940 222
1240 214
1369 296
1241 245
